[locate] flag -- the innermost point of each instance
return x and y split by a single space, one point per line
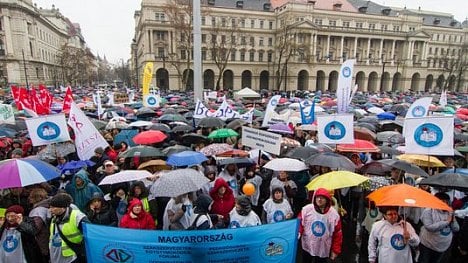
97 102
270 110
147 77
429 135
310 117
37 104
6 113
67 100
419 108
87 137
335 129
15 93
343 91
443 99
353 93
45 97
48 129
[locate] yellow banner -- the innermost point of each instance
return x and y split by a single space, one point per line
147 76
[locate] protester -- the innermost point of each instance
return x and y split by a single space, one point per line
178 213
242 215
41 217
231 175
81 189
277 208
201 219
320 229
251 176
283 181
118 200
100 212
17 236
136 217
139 191
391 238
223 201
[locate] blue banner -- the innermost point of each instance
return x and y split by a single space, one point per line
267 243
307 118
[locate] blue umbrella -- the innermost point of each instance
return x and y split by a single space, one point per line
386 116
463 171
186 158
7 132
75 165
126 136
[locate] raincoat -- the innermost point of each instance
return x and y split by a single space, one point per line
82 195
141 221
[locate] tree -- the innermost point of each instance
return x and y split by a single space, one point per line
77 64
285 47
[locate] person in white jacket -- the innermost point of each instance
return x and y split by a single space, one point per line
436 232
390 239
242 215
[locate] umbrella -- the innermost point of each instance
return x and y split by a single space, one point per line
125 136
301 153
389 150
175 149
236 124
463 171
456 181
186 158
239 162
149 137
211 122
286 164
363 133
422 160
24 172
154 165
215 148
98 124
75 165
7 132
233 153
366 125
320 147
178 182
375 110
125 176
54 150
117 123
336 180
386 135
386 116
358 146
182 128
332 160
381 167
172 117
388 125
141 124
407 196
193 138
222 133
281 128
142 151
285 141
145 112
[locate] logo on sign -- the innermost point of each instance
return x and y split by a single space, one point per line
335 130
10 243
274 102
346 72
428 135
117 253
318 228
48 131
274 249
397 242
418 111
278 216
151 100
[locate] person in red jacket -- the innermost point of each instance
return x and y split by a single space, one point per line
136 217
223 200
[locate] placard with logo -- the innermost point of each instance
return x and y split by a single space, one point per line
429 135
48 129
151 100
335 129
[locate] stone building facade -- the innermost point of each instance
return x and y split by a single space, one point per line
30 41
299 45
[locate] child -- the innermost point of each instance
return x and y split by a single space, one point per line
276 208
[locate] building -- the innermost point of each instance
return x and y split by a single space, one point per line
30 42
289 45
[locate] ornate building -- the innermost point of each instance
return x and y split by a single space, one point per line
289 45
30 41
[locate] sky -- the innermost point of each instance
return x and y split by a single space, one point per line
108 25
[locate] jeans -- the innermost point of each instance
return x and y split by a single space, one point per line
428 255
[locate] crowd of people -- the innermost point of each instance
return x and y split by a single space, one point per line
43 222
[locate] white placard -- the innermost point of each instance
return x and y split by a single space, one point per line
262 140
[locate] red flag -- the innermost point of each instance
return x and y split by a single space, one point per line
38 107
25 99
15 92
67 100
45 97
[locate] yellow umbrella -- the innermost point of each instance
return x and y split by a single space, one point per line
422 160
336 180
154 166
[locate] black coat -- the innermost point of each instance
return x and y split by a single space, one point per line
106 216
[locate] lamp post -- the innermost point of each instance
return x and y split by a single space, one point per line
25 71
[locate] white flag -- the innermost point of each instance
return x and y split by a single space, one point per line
443 99
419 108
87 137
6 113
429 135
48 129
345 79
335 129
270 109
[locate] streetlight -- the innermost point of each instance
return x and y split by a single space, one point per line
25 71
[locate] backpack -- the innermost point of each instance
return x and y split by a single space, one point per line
194 224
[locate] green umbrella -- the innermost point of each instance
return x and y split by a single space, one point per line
449 110
222 133
463 149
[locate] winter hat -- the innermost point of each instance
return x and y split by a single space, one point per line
17 151
17 209
245 206
62 200
99 150
202 204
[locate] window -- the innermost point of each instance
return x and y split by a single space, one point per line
345 24
318 21
243 41
242 22
252 41
252 23
430 51
223 22
161 52
359 25
160 16
233 22
233 40
260 41
2 48
332 23
223 39
242 56
301 38
270 56
270 41
233 55
213 38
203 20
203 54
252 55
213 21
383 27
436 52
396 28
182 37
270 24
260 56
412 28
261 23
183 54
159 35
203 38
371 26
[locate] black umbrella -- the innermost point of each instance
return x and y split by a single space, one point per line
371 119
332 160
301 153
405 166
160 127
370 126
387 125
239 162
175 149
236 124
145 112
450 180
182 128
211 122
142 151
193 138
389 150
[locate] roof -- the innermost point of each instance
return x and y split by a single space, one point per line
319 4
247 4
372 8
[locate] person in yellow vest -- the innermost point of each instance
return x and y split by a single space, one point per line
66 243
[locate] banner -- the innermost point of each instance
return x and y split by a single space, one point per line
98 103
6 113
210 95
151 100
443 99
224 112
307 118
419 108
430 136
267 243
345 79
48 129
270 109
336 129
67 100
261 140
87 137
147 77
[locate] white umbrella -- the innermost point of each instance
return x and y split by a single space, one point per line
178 182
375 110
140 124
125 176
286 164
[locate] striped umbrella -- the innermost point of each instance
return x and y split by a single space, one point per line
26 171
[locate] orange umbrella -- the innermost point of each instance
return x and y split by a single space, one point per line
234 153
406 195
358 146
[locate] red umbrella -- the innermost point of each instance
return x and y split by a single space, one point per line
149 137
358 146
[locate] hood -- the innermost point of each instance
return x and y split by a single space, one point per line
83 175
134 202
144 190
323 192
202 204
218 183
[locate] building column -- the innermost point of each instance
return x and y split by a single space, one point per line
393 51
355 47
408 53
150 48
314 51
368 51
328 48
341 49
380 51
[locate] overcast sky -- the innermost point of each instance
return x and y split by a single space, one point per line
108 25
